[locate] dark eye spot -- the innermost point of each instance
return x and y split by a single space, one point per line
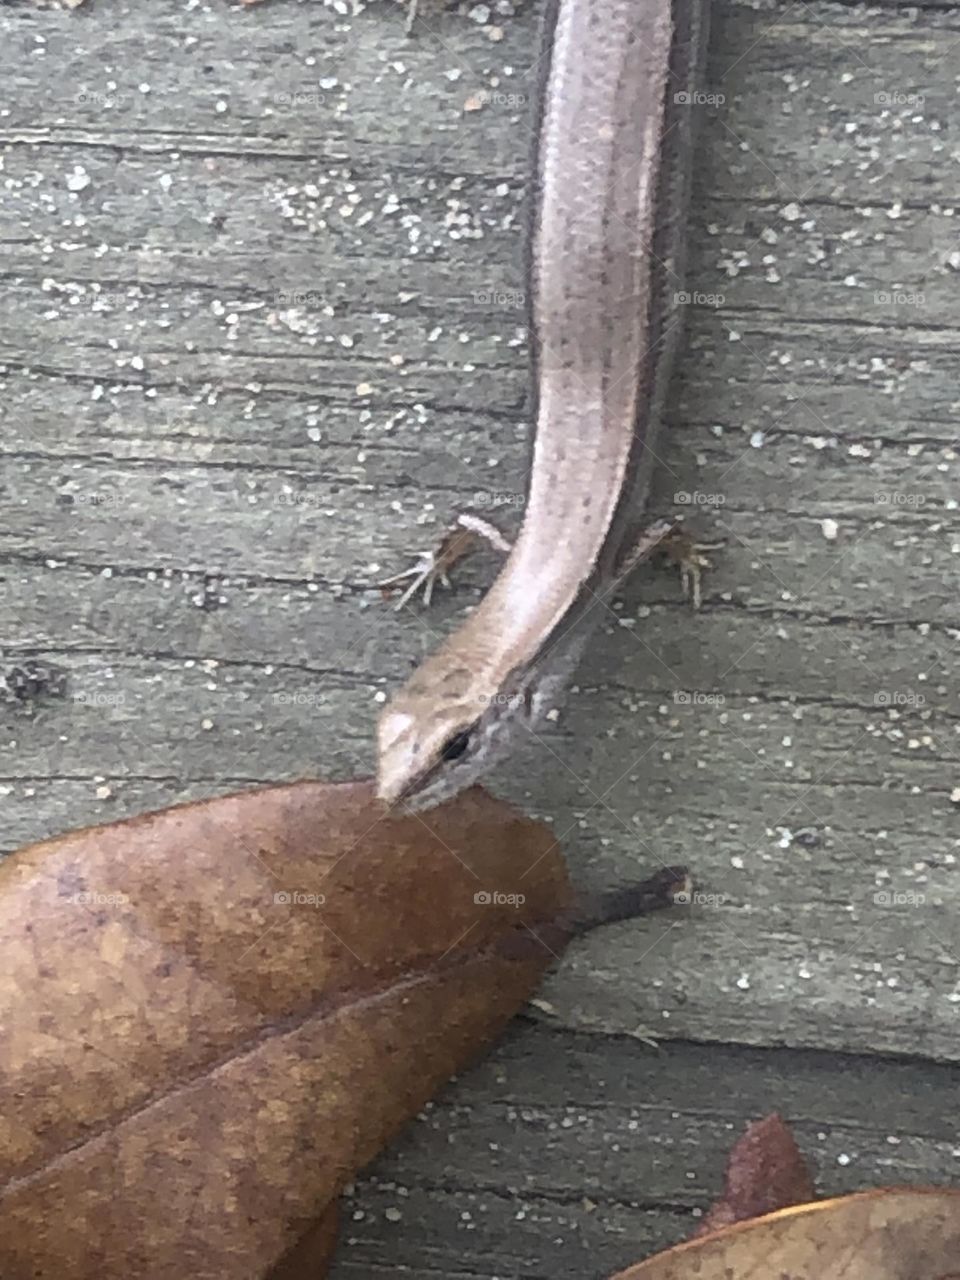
454 747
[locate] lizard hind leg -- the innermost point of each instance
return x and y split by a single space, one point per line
680 547
683 549
642 546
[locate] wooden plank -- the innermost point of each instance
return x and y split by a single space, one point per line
244 429
262 334
564 1156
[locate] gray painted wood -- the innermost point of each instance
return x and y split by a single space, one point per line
261 334
569 1156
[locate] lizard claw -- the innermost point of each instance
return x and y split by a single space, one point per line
682 549
434 566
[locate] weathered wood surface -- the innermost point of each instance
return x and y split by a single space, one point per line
261 335
562 1157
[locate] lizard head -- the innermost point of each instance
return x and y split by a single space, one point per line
438 734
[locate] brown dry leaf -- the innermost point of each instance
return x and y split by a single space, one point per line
895 1234
199 1054
765 1171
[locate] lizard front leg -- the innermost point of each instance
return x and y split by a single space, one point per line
434 566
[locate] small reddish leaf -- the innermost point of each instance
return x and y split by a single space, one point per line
216 1014
765 1171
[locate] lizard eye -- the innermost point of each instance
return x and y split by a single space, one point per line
454 747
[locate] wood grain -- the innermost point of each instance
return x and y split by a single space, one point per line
259 354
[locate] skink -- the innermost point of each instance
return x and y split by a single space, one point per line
620 81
